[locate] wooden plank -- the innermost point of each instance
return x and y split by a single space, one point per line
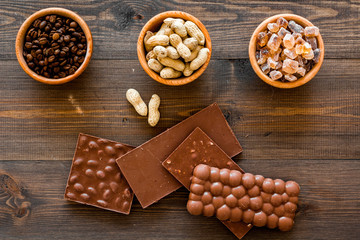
317 121
329 206
116 24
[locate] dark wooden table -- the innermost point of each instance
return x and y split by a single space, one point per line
310 134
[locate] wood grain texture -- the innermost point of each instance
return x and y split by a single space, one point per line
328 196
310 134
116 24
320 120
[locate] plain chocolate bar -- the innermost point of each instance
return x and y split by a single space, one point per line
237 196
196 149
143 169
95 179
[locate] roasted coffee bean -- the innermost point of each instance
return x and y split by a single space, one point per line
36 23
55 36
28 45
63 63
62 74
61 39
29 57
73 24
33 34
67 67
43 41
33 53
31 65
71 71
43 24
52 18
74 49
67 38
62 54
81 59
54 46
50 51
51 58
76 34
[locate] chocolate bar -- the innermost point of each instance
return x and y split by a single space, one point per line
236 196
196 149
95 179
142 167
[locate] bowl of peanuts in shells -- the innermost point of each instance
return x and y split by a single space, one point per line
286 51
174 48
54 45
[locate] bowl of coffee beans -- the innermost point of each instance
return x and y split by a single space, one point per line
286 51
54 45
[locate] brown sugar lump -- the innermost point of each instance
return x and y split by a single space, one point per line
95 179
282 44
236 196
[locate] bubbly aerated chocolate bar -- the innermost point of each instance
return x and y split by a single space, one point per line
95 179
236 196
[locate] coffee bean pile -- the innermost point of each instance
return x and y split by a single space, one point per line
55 46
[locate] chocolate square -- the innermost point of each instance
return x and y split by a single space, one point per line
196 149
95 179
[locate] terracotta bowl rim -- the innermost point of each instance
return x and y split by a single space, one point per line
21 37
154 21
252 50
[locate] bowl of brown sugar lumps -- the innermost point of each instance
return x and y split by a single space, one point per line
286 51
54 45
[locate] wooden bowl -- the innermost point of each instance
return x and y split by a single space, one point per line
153 25
19 44
252 50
